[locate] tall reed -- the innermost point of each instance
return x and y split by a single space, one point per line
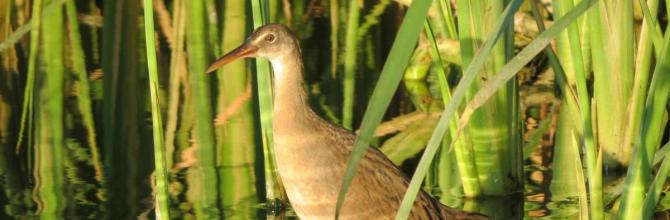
648 140
124 134
493 130
350 63
236 137
203 174
50 136
576 76
274 189
161 201
84 102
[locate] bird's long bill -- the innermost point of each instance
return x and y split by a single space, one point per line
246 50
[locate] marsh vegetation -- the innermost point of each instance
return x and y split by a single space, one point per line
516 109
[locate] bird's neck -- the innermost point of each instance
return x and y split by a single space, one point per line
291 110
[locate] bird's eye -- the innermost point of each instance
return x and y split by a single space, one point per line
270 38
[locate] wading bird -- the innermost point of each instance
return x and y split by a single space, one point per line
312 153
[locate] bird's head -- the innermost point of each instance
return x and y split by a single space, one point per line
270 42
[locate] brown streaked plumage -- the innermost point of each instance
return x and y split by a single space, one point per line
312 153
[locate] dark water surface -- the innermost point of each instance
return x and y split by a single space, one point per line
129 196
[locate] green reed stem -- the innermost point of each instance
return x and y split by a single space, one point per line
237 135
161 170
50 143
568 179
265 88
334 40
350 64
649 10
492 130
464 155
27 109
648 138
446 14
371 19
654 193
647 47
177 71
84 89
205 174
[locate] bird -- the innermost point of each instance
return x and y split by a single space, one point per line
312 153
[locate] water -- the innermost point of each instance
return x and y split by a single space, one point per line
129 197
126 193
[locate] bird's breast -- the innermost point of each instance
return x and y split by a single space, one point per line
311 172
